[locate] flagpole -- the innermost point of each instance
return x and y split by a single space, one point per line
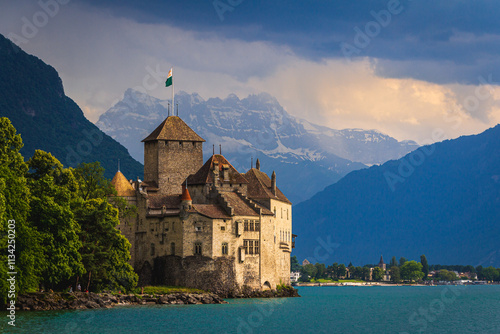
173 104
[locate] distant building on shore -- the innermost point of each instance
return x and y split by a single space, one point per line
204 225
294 276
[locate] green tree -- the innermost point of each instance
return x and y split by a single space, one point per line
91 181
377 274
294 264
331 271
393 263
341 270
479 272
425 266
411 271
365 274
14 207
358 272
105 251
469 269
395 274
320 270
445 275
53 188
307 272
402 261
491 274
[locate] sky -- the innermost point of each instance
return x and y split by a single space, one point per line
416 70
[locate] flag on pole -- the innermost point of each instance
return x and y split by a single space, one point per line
169 79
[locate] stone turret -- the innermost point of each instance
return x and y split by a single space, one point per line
186 201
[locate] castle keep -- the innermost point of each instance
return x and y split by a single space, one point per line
204 225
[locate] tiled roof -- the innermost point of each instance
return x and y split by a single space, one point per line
122 185
211 211
173 128
169 201
259 186
204 174
241 208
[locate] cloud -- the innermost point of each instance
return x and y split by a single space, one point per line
99 55
338 95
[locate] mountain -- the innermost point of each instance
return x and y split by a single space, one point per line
32 97
306 157
441 200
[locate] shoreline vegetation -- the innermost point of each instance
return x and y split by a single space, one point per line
306 284
152 295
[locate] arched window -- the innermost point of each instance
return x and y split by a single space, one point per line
224 248
172 248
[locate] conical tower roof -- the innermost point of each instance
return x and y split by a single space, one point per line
173 128
122 186
185 194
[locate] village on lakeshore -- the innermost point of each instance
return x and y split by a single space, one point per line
396 273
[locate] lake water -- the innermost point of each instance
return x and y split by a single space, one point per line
438 309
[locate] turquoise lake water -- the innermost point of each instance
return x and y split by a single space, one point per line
438 309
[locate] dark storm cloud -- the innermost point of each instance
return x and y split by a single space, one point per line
463 34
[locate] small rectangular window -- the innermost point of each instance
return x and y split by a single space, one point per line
197 248
222 228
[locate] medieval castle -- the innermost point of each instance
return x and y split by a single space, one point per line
204 225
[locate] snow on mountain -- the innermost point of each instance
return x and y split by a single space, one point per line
307 157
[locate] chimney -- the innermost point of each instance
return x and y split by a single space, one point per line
273 183
257 164
215 173
225 173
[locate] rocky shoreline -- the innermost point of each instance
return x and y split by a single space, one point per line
44 301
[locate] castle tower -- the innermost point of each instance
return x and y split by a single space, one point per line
172 152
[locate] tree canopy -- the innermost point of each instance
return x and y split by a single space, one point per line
64 224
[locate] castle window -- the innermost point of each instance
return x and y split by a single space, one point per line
251 246
224 248
194 144
152 249
172 248
222 228
197 228
287 214
257 225
246 225
252 225
197 248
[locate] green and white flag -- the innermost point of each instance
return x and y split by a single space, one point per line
169 79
